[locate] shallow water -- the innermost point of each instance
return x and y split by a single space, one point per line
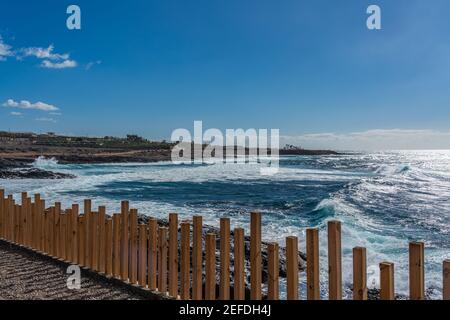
383 199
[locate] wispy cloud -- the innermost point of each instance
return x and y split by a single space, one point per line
92 63
46 120
51 59
5 50
59 65
16 114
377 139
25 104
44 53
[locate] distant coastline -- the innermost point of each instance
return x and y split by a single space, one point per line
19 150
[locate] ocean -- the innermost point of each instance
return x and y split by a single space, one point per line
384 200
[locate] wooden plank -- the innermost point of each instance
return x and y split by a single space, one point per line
88 243
62 233
102 239
197 258
387 289
273 269
162 260
292 267
239 263
255 256
68 234
446 280
416 271
57 228
133 245
152 253
312 264
334 261
74 231
109 247
81 240
142 255
359 273
42 225
116 246
224 259
210 267
173 254
125 240
185 260
69 222
94 240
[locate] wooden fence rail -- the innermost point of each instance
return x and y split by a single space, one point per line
181 262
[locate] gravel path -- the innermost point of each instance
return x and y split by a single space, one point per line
25 275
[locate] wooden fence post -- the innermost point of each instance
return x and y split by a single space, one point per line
152 253
116 245
255 256
109 247
273 269
292 267
142 269
62 235
102 239
81 240
173 254
57 229
94 239
162 260
239 263
42 225
359 274
312 264
2 199
69 235
125 240
185 260
387 291
334 261
446 280
210 267
224 259
197 281
133 245
416 271
74 217
51 230
88 242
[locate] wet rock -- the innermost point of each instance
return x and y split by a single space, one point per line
33 173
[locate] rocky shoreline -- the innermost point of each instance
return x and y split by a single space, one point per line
22 169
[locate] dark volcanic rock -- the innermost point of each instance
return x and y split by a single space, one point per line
33 173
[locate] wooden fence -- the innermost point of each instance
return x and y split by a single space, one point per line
170 260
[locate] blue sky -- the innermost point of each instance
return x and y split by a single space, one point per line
310 68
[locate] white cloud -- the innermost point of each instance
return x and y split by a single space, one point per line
44 53
55 113
46 120
16 114
377 139
59 65
5 50
24 104
92 63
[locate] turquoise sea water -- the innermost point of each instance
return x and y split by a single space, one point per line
383 199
